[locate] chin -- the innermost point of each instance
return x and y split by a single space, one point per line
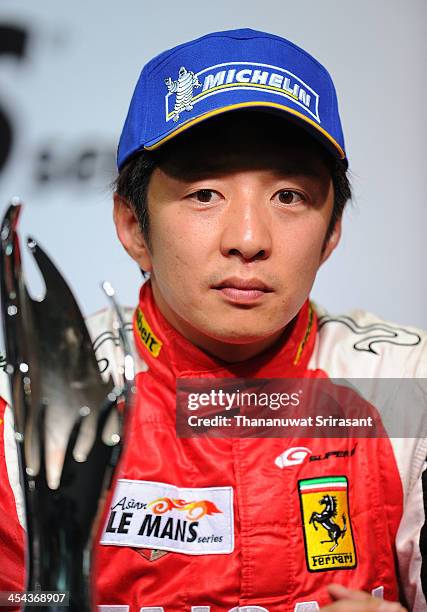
241 336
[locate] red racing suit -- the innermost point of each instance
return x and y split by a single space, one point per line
219 524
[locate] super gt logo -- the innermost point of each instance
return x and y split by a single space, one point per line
222 78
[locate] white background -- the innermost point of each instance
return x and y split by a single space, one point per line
71 91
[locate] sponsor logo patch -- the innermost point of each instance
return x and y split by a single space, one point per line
146 334
215 80
292 456
161 517
301 454
328 536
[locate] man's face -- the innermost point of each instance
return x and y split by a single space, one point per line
239 209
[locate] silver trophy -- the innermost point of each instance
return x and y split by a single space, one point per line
68 426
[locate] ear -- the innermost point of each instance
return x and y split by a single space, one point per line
130 234
333 241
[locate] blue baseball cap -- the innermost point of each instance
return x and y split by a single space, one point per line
228 71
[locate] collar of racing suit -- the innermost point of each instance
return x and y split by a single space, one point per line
172 356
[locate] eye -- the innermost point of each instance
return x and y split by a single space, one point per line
205 196
289 197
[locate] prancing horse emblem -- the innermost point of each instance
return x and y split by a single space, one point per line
326 520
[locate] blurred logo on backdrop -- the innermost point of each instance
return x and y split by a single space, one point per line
13 43
50 160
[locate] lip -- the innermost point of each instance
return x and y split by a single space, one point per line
243 290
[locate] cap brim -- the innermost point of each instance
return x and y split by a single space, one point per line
296 117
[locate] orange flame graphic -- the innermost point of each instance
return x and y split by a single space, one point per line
195 510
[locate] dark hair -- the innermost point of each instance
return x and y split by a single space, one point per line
132 184
133 179
342 191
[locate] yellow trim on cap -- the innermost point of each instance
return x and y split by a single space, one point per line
224 109
246 86
201 95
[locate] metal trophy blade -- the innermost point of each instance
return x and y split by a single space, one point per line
67 423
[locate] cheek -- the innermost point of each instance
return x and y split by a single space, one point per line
302 248
179 255
185 238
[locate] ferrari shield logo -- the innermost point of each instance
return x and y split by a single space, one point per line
328 536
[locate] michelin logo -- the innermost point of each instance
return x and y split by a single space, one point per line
221 78
183 87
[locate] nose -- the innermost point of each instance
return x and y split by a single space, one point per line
246 229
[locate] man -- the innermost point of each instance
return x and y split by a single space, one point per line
232 182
